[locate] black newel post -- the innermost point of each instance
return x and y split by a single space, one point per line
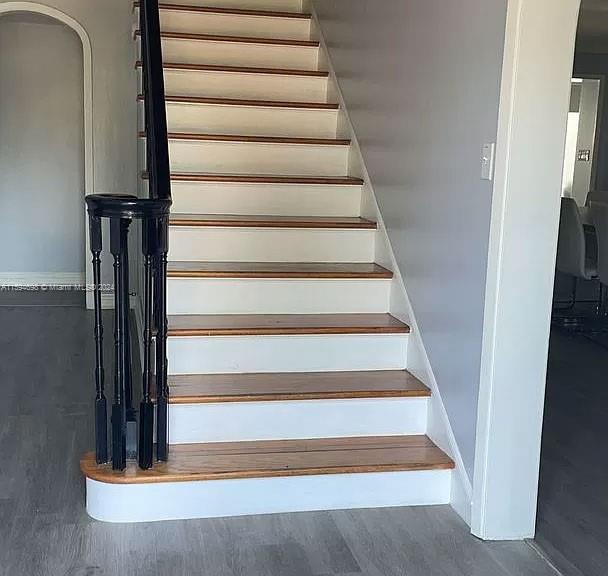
101 409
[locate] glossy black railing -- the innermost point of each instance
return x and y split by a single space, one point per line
127 438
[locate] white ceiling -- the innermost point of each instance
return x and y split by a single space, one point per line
593 27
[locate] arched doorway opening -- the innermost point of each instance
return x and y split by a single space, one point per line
47 156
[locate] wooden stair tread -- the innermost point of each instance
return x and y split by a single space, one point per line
276 270
196 137
280 458
193 325
177 99
238 221
213 388
263 179
239 69
288 43
230 11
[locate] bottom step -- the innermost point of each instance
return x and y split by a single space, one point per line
243 478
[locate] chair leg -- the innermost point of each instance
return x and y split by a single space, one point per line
572 303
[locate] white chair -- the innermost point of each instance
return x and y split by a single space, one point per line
599 215
573 255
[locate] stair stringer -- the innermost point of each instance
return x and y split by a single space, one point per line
418 362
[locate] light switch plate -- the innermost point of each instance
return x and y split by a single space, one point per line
488 155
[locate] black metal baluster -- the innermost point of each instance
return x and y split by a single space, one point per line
146 410
119 228
131 413
162 388
101 408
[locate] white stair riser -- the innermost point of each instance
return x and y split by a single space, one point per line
240 54
257 158
266 199
277 296
235 25
253 120
241 422
269 5
223 498
246 86
317 353
270 245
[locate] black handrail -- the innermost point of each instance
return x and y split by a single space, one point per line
157 145
159 182
121 210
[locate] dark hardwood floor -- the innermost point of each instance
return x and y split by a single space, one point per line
46 369
572 527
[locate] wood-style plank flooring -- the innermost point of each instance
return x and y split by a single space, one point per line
205 388
237 221
178 7
270 459
46 417
241 69
291 270
572 526
187 325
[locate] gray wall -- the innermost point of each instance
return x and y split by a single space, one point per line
41 146
421 80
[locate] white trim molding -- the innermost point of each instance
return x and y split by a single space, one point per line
534 103
89 180
41 279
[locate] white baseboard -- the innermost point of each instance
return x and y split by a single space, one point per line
439 428
42 279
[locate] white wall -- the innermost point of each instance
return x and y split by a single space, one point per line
421 81
41 146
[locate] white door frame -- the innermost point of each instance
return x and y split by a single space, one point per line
535 96
89 182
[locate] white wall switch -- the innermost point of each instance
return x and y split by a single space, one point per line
488 154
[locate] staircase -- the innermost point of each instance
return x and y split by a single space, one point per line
288 381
